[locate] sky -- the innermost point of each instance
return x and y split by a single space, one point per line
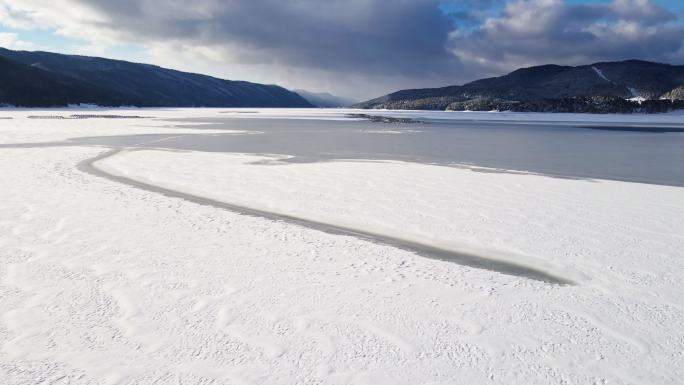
353 48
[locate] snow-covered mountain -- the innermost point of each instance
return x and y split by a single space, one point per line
552 86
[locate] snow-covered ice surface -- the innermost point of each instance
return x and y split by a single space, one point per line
104 283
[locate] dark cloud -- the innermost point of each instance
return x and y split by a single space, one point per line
402 37
551 31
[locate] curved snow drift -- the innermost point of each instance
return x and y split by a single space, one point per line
502 262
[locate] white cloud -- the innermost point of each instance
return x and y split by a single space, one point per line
11 40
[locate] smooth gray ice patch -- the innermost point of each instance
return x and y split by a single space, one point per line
385 119
546 148
636 128
465 259
618 151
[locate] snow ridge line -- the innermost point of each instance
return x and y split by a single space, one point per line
600 73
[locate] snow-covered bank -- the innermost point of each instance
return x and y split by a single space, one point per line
535 220
22 129
623 244
103 283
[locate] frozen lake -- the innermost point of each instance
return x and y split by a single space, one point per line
618 151
149 271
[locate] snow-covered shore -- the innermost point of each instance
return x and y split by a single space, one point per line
530 219
103 283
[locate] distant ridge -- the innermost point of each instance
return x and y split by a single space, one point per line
44 79
23 85
325 99
626 86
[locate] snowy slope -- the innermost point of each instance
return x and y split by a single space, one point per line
600 73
